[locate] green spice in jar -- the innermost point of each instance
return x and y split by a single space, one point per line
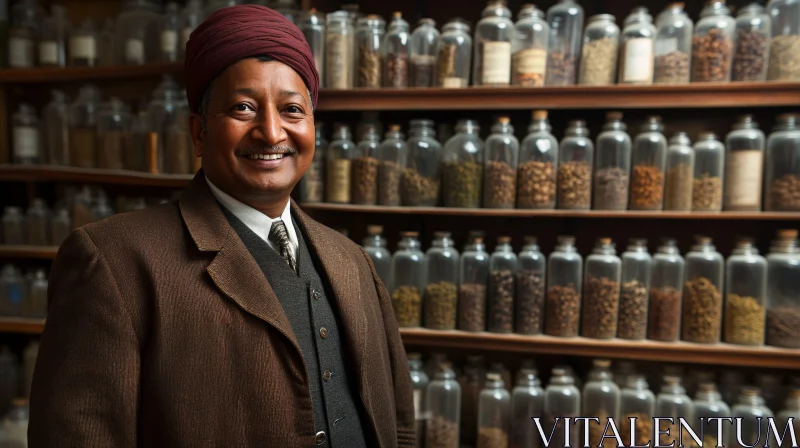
462 184
440 306
407 305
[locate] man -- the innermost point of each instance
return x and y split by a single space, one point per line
229 319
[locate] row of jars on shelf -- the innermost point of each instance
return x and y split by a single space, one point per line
555 49
23 294
15 386
647 172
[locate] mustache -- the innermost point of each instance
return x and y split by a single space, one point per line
278 149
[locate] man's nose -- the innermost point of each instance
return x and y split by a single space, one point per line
270 128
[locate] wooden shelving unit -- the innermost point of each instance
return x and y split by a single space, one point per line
21 325
28 252
48 173
68 74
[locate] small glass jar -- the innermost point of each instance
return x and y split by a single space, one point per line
502 268
83 128
784 60
312 185
365 168
744 163
601 291
672 402
709 166
538 161
752 44
36 305
14 226
443 403
622 371
23 34
530 288
783 291
494 409
471 385
566 25
791 410
395 53
562 401
745 295
419 384
434 363
702 307
420 181
192 16
338 160
637 266
9 378
392 157
708 405
563 303
680 174
178 155
312 24
527 401
492 56
600 49
135 25
601 400
783 165
105 40
56 129
454 55
637 401
612 165
462 166
648 160
60 226
712 44
13 292
673 45
169 33
101 208
53 38
753 413
423 42
529 48
83 45
636 56
38 223
113 127
575 158
408 280
375 246
474 277
369 37
26 138
339 49
441 293
500 171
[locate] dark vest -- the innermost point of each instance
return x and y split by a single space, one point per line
338 410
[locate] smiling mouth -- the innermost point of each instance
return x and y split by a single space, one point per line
266 156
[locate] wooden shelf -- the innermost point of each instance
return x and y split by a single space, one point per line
28 252
683 352
47 173
66 74
21 325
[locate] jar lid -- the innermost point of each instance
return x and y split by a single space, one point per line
707 136
414 356
559 371
374 229
671 380
602 17
409 234
637 241
604 241
702 239
676 5
493 377
707 387
441 234
503 239
504 120
397 15
426 21
750 391
787 234
566 239
540 114
744 241
602 363
445 365
577 124
394 128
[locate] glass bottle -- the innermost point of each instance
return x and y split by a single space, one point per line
709 166
462 166
36 305
101 208
56 129
365 168
395 53
752 44
12 291
25 136
783 165
783 291
745 295
60 226
38 223
492 54
566 25
744 166
702 307
575 158
83 127
637 266
443 399
601 291
178 147
708 404
82 207
83 45
680 174
648 160
312 185
138 39
16 423
502 267
392 155
9 379
169 33
712 44
527 401
754 414
673 45
538 161
636 56
423 42
408 280
612 165
530 288
599 54
637 401
454 55
23 34
494 408
562 400
441 293
113 126
563 304
672 402
339 46
474 277
14 226
338 159
312 24
601 399
529 48
419 384
192 16
500 172
791 410
106 44
471 385
369 36
784 62
419 182
53 38
622 371
375 246
432 365
500 369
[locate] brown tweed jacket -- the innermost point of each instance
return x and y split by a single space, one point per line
163 332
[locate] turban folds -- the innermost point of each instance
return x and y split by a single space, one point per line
238 32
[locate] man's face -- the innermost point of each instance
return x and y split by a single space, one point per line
259 136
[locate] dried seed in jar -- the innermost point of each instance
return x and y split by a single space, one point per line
462 184
750 60
672 68
784 193
369 67
472 307
601 308
678 188
744 320
536 185
783 326
707 193
528 67
396 75
711 57
440 306
441 433
500 185
561 69
633 311
422 67
563 311
418 190
530 302
702 311
492 438
647 188
599 62
665 314
611 189
365 180
784 58
407 305
501 301
574 185
643 428
389 183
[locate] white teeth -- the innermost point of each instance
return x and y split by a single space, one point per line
265 156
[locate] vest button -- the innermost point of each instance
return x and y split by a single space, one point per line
315 294
320 438
326 375
323 332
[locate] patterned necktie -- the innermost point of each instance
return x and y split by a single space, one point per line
280 237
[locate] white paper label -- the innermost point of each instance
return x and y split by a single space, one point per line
532 60
83 47
186 33
418 404
48 52
638 60
134 51
26 142
743 178
20 52
454 83
665 46
496 62
169 41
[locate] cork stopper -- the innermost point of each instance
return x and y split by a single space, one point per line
441 235
540 115
744 241
707 136
671 380
637 242
373 17
395 127
702 239
602 363
409 234
374 230
750 391
19 402
676 5
504 120
604 241
707 387
478 240
559 371
414 356
787 234
530 240
397 15
566 239
494 377
503 239
614 116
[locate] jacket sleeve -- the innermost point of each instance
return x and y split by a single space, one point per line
86 380
403 391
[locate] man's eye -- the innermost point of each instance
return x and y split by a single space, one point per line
294 110
242 107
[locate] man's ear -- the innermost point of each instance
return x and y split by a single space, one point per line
197 133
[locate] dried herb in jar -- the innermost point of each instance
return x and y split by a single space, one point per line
440 306
598 65
744 320
611 189
389 183
702 311
530 302
396 70
680 180
463 182
441 433
751 56
369 66
500 185
784 58
574 185
672 68
338 61
407 302
665 310
601 308
536 185
365 181
418 190
633 311
492 438
784 193
647 188
643 427
783 326
561 69
711 57
472 307
422 67
707 193
563 311
446 67
501 301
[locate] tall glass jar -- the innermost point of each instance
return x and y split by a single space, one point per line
191 17
538 161
500 172
637 401
471 384
56 129
454 55
784 60
395 53
493 36
753 413
612 165
708 404
636 56
312 185
9 378
83 48
745 295
26 136
369 37
419 384
530 288
527 401
601 399
83 127
502 268
408 280
392 161
709 166
113 126
36 305
162 115
753 34
648 160
312 24
783 291
365 168
474 277
702 307
562 400
633 300
375 246
338 159
60 227
563 303
494 408
680 174
419 182
23 34
462 166
14 226
712 44
137 41
791 410
673 46
744 166
53 38
575 158
169 33
339 49
601 291
38 223
423 42
13 292
783 165
441 293
600 49
443 403
529 48
107 45
566 24
672 402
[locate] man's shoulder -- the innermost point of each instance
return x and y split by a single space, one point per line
155 227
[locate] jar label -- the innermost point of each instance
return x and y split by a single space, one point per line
638 60
338 61
20 52
452 82
134 51
417 403
169 41
496 62
48 52
185 34
83 47
313 181
743 178
26 142
532 60
339 181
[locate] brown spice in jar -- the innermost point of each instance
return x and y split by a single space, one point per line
365 181
440 306
369 66
338 61
599 62
441 433
600 308
396 75
530 302
783 326
472 307
500 185
678 188
672 68
389 183
711 57
82 147
647 188
407 302
313 183
112 147
501 301
337 178
665 314
418 190
784 193
707 193
177 154
744 320
462 184
574 185
597 429
633 311
784 58
702 311
749 62
536 185
492 438
563 307
561 69
611 189
446 67
422 67
643 428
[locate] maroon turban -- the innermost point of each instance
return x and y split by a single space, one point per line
238 32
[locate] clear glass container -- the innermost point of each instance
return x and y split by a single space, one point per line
745 295
15 423
600 50
562 400
575 159
462 166
648 165
494 409
502 268
637 266
791 410
83 48
752 44
441 294
53 38
471 385
179 155
26 140
672 402
529 48
622 371
454 55
60 226
113 127
754 414
566 26
408 280
680 174
312 185
708 404
375 246
637 401
9 379
395 53
673 45
423 42
339 51
368 119
192 16
783 291
744 164
29 361
702 299
601 400
530 288
505 374
137 32
23 34
36 305
434 362
474 277
38 223
527 401
13 292
14 226
712 44
443 403
500 171
162 113
82 207
137 158
612 165
392 157
493 35
56 129
601 291
419 384
784 58
636 55
101 207
338 160
107 44
83 127
783 165
709 167
420 181
312 24
365 168
538 162
170 33
369 37
563 304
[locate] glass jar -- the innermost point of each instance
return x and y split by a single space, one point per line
106 44
783 291
178 147
408 280
26 143
673 45
83 45
744 166
601 291
783 165
441 294
566 25
434 362
454 55
601 400
530 288
338 159
702 307
612 165
369 36
23 34
462 166
633 300
423 42
745 295
192 16
712 44
538 161
527 401
82 207
502 267
708 404
752 44
339 46
791 411
312 24
395 53
562 400
83 128
648 160
575 158
169 33
471 385
312 185
392 155
680 174
36 305
709 166
672 402
368 119
500 171
666 293
419 183
443 403
136 25
474 267
56 129
162 113
493 36
784 60
753 414
101 208
636 56
15 423
529 48
493 413
622 371
137 158
113 126
637 401
600 49
9 379
419 384
365 168
53 38
13 292
60 227
563 304
38 223
14 226
375 246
